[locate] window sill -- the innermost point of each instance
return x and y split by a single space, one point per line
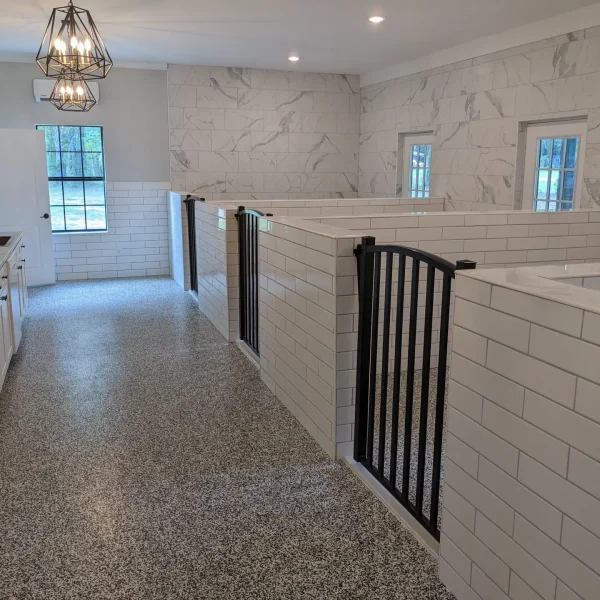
93 232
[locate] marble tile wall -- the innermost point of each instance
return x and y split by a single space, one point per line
239 134
474 109
135 245
522 465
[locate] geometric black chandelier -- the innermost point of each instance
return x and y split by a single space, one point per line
72 93
72 43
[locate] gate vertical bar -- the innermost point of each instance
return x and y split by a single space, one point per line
363 358
387 314
429 297
373 365
251 282
242 269
410 375
255 283
397 369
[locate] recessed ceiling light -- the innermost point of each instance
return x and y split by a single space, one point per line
376 19
294 58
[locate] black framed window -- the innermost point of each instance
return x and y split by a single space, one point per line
76 177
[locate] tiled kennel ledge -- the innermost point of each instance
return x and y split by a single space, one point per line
492 240
522 470
217 246
298 207
135 245
340 206
502 238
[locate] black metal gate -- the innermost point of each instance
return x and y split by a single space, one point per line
190 209
402 444
249 284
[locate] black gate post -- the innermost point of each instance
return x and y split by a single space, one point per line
248 231
190 209
366 263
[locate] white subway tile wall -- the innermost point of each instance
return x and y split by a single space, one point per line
217 244
521 497
135 245
506 387
216 231
297 324
421 230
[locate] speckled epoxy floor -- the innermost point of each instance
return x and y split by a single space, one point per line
141 457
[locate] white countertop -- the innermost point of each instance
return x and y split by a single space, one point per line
541 281
6 251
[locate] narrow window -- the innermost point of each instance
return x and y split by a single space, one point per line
417 165
553 166
76 178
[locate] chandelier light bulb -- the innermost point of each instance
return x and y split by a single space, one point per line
376 19
73 42
88 45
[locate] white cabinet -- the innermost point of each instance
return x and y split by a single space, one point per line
13 302
18 292
6 335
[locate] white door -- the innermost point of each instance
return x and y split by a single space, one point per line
24 199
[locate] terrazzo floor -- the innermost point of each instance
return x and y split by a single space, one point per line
141 457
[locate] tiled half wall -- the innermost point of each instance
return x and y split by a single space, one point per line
293 270
135 245
217 243
522 466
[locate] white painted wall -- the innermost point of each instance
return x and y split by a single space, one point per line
133 114
132 111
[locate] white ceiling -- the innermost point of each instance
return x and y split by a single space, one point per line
329 35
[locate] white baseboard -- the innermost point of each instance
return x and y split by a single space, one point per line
248 353
421 534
